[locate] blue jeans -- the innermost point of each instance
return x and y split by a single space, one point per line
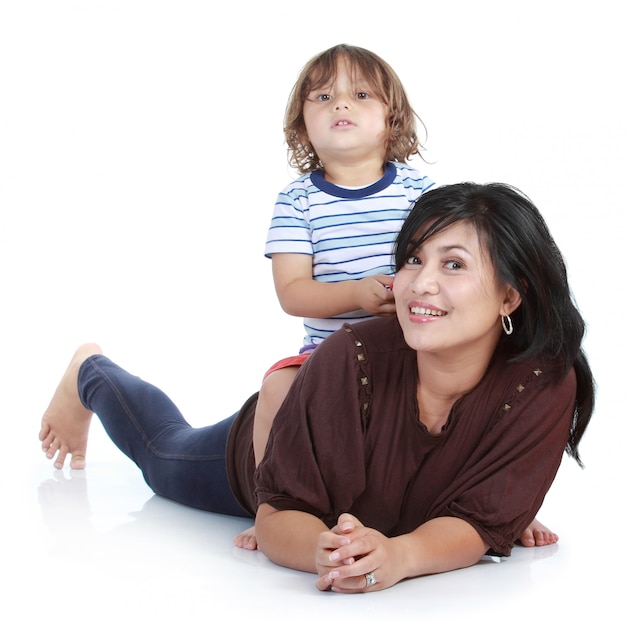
179 462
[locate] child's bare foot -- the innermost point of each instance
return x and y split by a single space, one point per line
65 424
246 539
537 534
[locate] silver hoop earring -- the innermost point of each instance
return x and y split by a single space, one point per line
507 324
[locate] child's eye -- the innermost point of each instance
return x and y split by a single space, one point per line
362 95
319 96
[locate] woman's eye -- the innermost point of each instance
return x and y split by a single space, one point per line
453 264
413 261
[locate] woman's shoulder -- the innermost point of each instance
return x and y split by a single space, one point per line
504 366
516 384
376 335
362 340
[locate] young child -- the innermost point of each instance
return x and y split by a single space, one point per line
350 130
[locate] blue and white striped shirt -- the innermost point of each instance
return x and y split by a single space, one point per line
349 233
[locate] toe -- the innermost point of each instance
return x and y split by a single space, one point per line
52 448
60 459
250 543
527 538
46 441
45 431
77 462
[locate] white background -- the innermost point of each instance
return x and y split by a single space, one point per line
141 151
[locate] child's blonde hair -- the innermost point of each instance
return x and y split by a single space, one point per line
401 140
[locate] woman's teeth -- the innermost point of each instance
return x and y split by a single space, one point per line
423 311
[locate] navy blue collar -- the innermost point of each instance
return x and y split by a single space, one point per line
317 178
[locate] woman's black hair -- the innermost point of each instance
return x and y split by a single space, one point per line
547 323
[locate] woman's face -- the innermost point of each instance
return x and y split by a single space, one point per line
448 300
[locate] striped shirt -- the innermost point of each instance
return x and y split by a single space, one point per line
349 233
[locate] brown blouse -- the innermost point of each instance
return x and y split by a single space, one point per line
348 439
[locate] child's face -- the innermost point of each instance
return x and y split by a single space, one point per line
345 121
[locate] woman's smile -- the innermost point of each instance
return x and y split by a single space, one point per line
447 294
423 312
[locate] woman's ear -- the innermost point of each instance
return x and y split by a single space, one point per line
512 300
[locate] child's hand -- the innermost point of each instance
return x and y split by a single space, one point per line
374 295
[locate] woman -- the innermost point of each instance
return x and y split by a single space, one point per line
406 446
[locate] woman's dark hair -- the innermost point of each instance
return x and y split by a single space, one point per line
547 323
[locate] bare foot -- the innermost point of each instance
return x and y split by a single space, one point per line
246 539
65 424
537 534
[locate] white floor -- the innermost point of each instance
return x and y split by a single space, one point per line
122 127
98 541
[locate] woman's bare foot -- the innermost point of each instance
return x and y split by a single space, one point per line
537 534
65 424
246 539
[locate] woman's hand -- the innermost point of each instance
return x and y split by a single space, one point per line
353 558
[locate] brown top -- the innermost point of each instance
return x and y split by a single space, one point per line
348 439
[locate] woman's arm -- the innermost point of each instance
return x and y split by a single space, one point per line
300 295
439 545
342 557
288 537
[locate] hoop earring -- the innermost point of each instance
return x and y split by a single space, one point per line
507 324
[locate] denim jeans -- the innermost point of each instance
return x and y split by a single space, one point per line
179 462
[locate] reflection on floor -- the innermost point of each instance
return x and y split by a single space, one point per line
98 544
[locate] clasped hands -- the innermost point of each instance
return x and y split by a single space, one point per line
349 551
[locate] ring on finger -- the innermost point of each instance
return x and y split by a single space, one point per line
370 579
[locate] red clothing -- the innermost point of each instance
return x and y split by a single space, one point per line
348 439
290 361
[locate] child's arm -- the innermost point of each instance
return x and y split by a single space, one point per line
302 296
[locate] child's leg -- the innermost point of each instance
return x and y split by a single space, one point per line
271 396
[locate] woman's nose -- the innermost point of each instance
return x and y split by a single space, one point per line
425 281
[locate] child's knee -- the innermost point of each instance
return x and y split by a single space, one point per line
276 386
